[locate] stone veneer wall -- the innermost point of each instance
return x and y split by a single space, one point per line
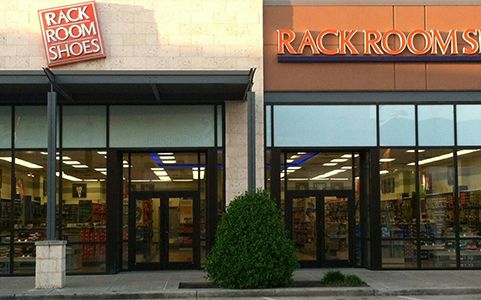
161 35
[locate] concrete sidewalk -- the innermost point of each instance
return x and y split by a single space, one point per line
164 284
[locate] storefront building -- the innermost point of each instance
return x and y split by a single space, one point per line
372 132
152 127
361 121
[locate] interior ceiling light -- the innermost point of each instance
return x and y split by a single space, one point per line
100 169
443 157
90 180
331 164
294 168
295 156
340 179
338 160
169 157
328 174
290 161
68 177
22 163
125 162
157 169
71 162
349 155
196 171
161 173
412 150
63 158
46 153
80 166
183 180
299 179
302 153
387 159
169 161
346 167
166 153
383 172
102 152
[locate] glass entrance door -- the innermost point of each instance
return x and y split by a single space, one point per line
320 223
165 228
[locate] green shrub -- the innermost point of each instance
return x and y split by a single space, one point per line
353 280
333 278
252 248
336 278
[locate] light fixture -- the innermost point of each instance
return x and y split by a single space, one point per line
22 163
80 166
71 162
349 155
412 150
443 157
102 152
68 177
182 180
157 169
161 173
290 161
295 156
299 179
301 153
294 168
331 164
382 172
164 178
168 157
169 161
340 179
100 169
328 174
90 180
338 160
196 171
346 167
63 158
165 153
46 153
386 159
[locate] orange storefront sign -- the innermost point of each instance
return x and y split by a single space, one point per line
392 42
71 33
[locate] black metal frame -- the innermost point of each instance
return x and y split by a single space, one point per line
164 227
320 224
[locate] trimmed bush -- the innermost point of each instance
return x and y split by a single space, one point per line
252 248
336 278
333 277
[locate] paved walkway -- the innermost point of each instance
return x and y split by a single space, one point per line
164 284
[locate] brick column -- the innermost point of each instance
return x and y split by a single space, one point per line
50 264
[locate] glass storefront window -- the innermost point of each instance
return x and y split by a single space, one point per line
162 126
5 127
5 211
84 209
468 124
436 182
31 127
30 207
469 174
436 125
319 171
84 126
397 125
398 207
324 126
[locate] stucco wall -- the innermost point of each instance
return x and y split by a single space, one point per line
160 35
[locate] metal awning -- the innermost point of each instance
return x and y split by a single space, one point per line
127 87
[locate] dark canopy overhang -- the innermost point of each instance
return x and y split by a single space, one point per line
128 87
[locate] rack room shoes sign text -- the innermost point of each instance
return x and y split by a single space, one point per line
71 34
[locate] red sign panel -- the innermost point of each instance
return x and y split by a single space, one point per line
71 33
